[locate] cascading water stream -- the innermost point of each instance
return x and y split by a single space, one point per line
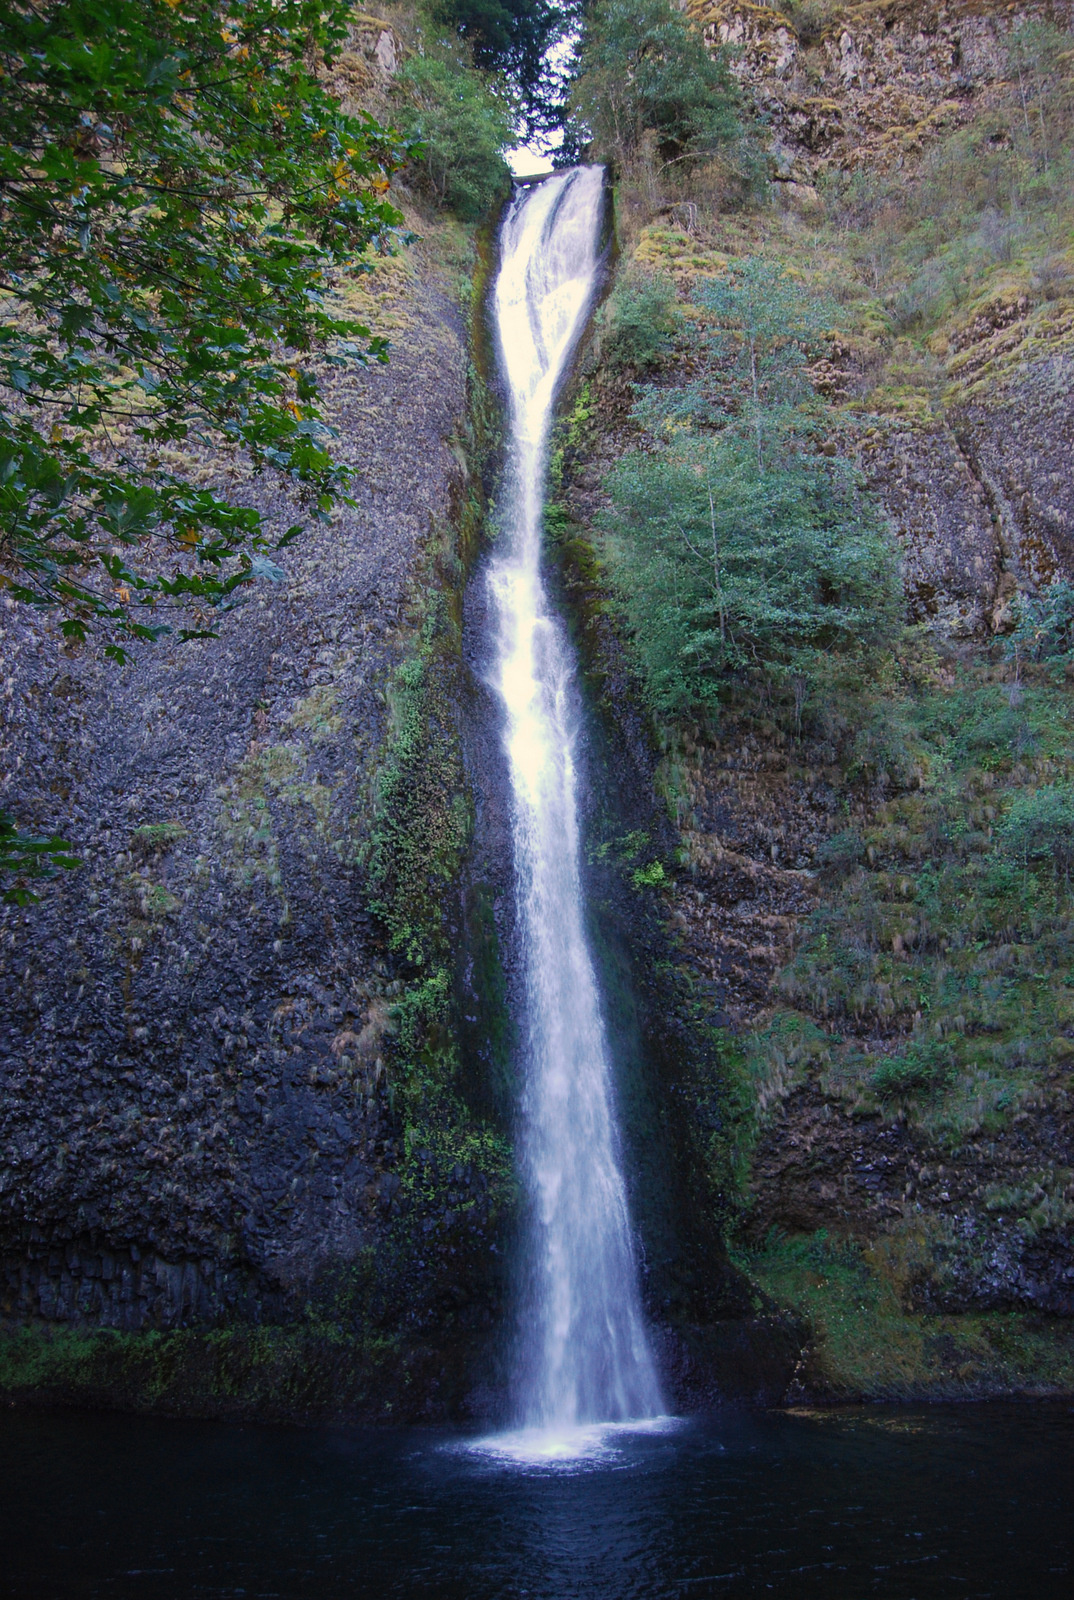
585 1357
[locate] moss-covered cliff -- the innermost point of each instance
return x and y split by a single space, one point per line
256 1085
853 889
240 1169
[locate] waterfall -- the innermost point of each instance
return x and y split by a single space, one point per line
584 1353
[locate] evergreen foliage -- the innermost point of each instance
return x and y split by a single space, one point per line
643 70
1039 826
514 37
724 567
737 550
639 322
946 918
758 330
462 128
1044 625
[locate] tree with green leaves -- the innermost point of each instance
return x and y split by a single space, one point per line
1038 61
737 550
516 38
643 69
177 187
757 332
461 126
726 570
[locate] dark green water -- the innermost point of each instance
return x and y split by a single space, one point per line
971 1501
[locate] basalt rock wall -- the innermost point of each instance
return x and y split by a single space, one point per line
974 475
196 1123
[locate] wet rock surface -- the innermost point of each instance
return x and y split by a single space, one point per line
960 1241
194 1107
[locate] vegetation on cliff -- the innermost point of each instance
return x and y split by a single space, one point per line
187 203
644 75
255 1112
873 879
461 128
739 551
178 187
517 39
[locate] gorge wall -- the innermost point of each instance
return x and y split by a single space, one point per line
199 1123
835 891
255 1081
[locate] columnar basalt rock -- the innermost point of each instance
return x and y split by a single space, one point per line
194 1028
865 84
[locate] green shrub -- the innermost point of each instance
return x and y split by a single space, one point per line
724 569
759 330
1039 826
1044 629
884 751
842 851
737 550
920 1069
639 322
465 128
981 726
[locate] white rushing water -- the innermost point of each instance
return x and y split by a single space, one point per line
585 1356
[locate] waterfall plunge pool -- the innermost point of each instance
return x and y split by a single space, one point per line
902 1504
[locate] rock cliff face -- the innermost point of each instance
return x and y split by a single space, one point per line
927 1240
200 1087
975 481
195 1102
865 85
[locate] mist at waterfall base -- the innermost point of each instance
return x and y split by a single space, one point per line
582 1353
967 1501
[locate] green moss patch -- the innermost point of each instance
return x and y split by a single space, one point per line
278 1373
866 1344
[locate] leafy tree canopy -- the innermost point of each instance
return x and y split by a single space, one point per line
463 127
642 69
736 549
515 37
176 186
